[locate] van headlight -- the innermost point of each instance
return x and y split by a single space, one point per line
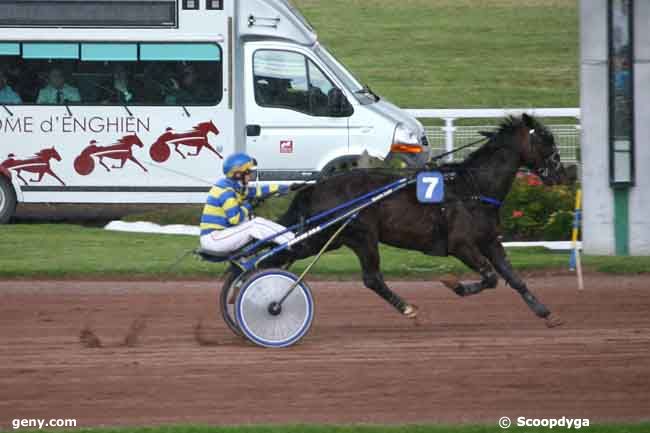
405 140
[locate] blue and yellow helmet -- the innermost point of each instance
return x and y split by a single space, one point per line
238 163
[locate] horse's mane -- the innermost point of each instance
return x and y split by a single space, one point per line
200 125
507 127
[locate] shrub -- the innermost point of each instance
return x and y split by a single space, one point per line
533 211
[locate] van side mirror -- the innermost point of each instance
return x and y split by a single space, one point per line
337 104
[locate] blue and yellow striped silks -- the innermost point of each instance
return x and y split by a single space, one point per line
227 205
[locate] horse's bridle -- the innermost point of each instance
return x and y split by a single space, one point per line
551 163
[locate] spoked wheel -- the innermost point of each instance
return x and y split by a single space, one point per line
261 317
231 286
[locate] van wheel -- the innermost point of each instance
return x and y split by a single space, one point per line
7 200
343 163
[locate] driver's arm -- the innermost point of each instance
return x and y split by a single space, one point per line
261 191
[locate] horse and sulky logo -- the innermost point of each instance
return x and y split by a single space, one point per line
121 151
198 138
39 164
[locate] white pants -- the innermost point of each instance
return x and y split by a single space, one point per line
233 238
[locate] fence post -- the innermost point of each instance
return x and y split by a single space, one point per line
449 136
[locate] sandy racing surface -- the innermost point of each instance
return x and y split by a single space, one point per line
470 360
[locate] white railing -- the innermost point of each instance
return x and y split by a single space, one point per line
449 136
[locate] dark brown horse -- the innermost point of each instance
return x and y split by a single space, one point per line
464 226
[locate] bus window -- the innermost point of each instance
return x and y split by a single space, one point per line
188 74
10 93
111 74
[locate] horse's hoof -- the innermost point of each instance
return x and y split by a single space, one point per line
451 281
411 311
553 321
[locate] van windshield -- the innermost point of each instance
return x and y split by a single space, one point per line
349 80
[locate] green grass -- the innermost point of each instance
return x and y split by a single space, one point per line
69 251
456 53
603 428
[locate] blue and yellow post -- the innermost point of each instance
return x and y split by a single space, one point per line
574 260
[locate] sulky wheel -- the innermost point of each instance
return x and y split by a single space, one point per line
231 285
160 151
84 164
260 316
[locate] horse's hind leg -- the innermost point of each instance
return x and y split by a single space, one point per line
497 255
178 151
39 178
471 256
366 247
20 177
101 161
122 161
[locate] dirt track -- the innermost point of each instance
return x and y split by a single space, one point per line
471 360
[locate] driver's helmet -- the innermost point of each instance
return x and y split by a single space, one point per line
238 163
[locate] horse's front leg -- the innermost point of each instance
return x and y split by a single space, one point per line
366 247
212 149
497 256
132 158
51 173
471 256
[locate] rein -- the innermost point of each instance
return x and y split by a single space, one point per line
457 149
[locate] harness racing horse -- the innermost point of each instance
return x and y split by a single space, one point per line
39 164
465 225
121 151
197 138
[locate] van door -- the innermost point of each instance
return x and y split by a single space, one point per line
290 129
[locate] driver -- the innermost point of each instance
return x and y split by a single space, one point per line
226 223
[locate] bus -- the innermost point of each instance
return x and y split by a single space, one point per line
139 101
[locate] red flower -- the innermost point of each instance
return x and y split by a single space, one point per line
517 213
533 180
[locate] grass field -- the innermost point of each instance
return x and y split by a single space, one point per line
604 428
456 53
61 250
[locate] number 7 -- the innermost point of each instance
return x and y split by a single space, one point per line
432 182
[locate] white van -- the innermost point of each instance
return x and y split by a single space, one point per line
138 101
